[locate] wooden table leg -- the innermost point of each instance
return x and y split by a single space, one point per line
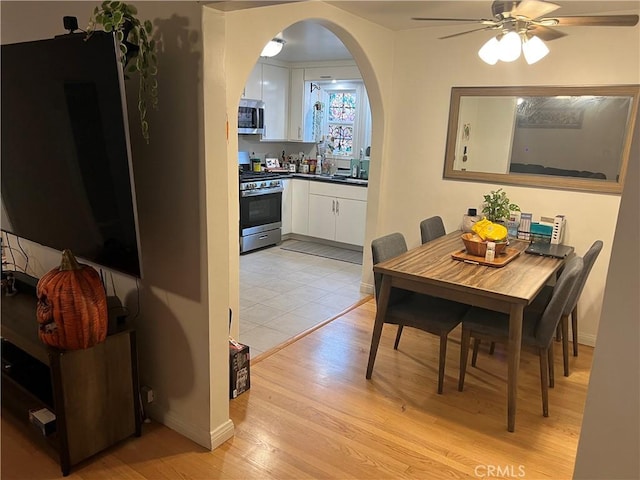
381 310
515 342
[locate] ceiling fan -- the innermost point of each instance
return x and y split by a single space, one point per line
522 26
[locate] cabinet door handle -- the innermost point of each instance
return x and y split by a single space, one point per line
333 206
337 207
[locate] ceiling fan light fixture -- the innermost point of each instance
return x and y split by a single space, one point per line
274 47
533 49
490 51
510 47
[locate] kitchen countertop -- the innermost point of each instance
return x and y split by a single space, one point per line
328 178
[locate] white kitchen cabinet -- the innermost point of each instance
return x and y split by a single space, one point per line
351 218
296 104
275 95
287 203
332 72
337 212
253 87
270 83
322 223
300 206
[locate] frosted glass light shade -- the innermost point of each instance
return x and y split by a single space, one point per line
489 52
273 48
533 49
510 46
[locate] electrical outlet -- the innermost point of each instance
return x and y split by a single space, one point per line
147 394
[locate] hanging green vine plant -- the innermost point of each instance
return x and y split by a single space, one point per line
137 48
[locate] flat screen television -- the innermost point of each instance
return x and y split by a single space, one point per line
67 178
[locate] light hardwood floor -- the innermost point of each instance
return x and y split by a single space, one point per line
310 413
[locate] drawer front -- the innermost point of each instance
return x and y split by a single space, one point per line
340 191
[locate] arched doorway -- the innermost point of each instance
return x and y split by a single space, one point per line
284 293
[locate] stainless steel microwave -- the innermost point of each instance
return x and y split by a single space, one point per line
251 116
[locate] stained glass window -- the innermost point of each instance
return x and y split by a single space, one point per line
342 115
342 138
342 107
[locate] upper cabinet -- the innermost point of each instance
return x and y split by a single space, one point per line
253 87
332 72
270 83
296 105
275 95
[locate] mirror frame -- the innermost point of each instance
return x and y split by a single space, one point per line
534 180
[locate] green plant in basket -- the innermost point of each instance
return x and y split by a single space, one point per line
497 206
134 38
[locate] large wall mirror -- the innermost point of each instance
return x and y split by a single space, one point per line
575 138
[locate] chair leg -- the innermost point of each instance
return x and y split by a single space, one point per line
474 356
544 380
398 335
558 333
551 366
574 328
564 324
441 363
464 355
492 348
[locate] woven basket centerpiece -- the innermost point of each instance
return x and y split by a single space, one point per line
477 247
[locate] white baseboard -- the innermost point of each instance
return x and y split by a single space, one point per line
367 288
208 439
221 434
583 339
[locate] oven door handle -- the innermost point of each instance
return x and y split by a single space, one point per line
262 191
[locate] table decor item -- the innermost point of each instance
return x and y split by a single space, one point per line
72 306
500 261
490 231
497 206
477 247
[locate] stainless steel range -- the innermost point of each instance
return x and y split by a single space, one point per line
260 210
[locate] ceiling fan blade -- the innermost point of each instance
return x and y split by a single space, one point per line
533 9
593 21
452 19
464 33
545 33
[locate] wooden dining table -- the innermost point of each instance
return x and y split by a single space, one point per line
430 269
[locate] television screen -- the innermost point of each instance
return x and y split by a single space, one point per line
67 180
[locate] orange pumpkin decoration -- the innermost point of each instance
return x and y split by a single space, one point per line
72 306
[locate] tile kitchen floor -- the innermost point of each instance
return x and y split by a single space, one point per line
284 293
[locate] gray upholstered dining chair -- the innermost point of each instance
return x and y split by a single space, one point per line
431 228
571 309
410 309
538 328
